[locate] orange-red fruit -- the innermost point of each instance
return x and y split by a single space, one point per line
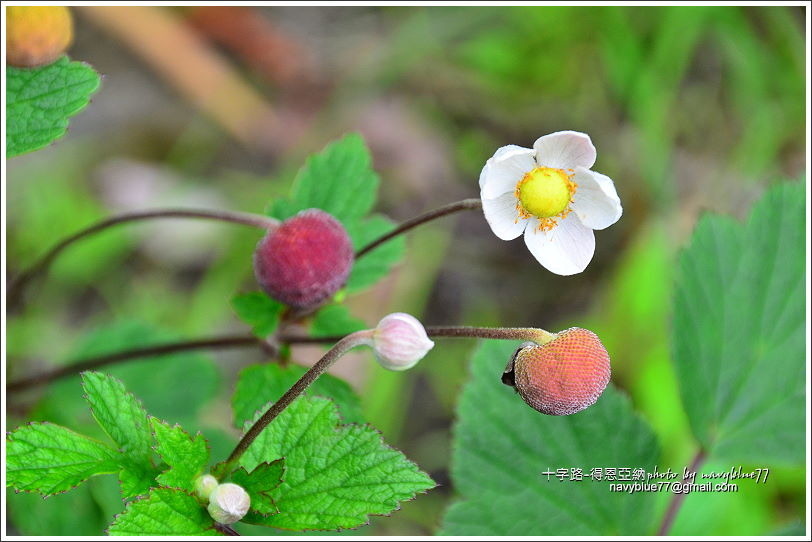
305 260
562 377
37 35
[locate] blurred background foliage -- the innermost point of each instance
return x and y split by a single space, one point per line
692 109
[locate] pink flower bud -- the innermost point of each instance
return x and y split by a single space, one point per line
400 341
228 503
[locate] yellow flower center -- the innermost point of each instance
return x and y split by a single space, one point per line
545 193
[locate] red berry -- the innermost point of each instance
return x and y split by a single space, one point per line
564 376
305 260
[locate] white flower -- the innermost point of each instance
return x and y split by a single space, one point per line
228 503
550 194
400 341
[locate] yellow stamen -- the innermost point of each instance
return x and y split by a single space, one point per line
545 193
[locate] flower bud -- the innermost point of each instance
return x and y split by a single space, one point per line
563 376
304 260
228 503
37 35
400 341
204 485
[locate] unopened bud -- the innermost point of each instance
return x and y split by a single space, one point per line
563 376
37 35
204 485
400 341
228 503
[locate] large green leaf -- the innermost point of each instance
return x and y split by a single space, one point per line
185 456
164 512
40 100
50 459
258 484
502 447
339 180
259 384
738 331
336 476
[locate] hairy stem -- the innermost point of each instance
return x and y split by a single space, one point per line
536 335
677 498
17 285
451 208
232 341
341 347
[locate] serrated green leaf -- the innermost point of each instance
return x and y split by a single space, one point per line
336 476
40 100
259 384
120 415
259 483
258 311
339 180
738 331
186 456
136 480
164 512
50 459
335 320
376 264
502 447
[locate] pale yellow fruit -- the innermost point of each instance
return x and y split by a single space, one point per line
37 35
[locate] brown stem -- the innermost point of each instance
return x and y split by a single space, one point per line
451 208
537 335
78 366
341 347
225 529
248 219
677 498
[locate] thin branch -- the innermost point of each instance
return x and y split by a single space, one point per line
341 347
451 208
233 341
225 529
677 498
534 334
41 266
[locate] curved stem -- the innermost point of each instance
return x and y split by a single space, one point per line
232 341
451 208
534 334
341 347
225 529
677 498
248 219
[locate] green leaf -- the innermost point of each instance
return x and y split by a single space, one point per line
258 311
50 459
336 476
74 513
335 320
121 416
376 264
259 384
186 456
40 100
502 447
164 512
259 483
339 180
738 331
135 479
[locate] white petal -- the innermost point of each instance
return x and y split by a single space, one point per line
595 201
504 170
503 216
566 249
565 150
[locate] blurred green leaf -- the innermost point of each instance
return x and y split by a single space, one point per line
40 100
336 475
50 459
259 384
258 311
339 180
185 456
258 484
335 320
377 263
502 447
738 331
68 514
164 512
